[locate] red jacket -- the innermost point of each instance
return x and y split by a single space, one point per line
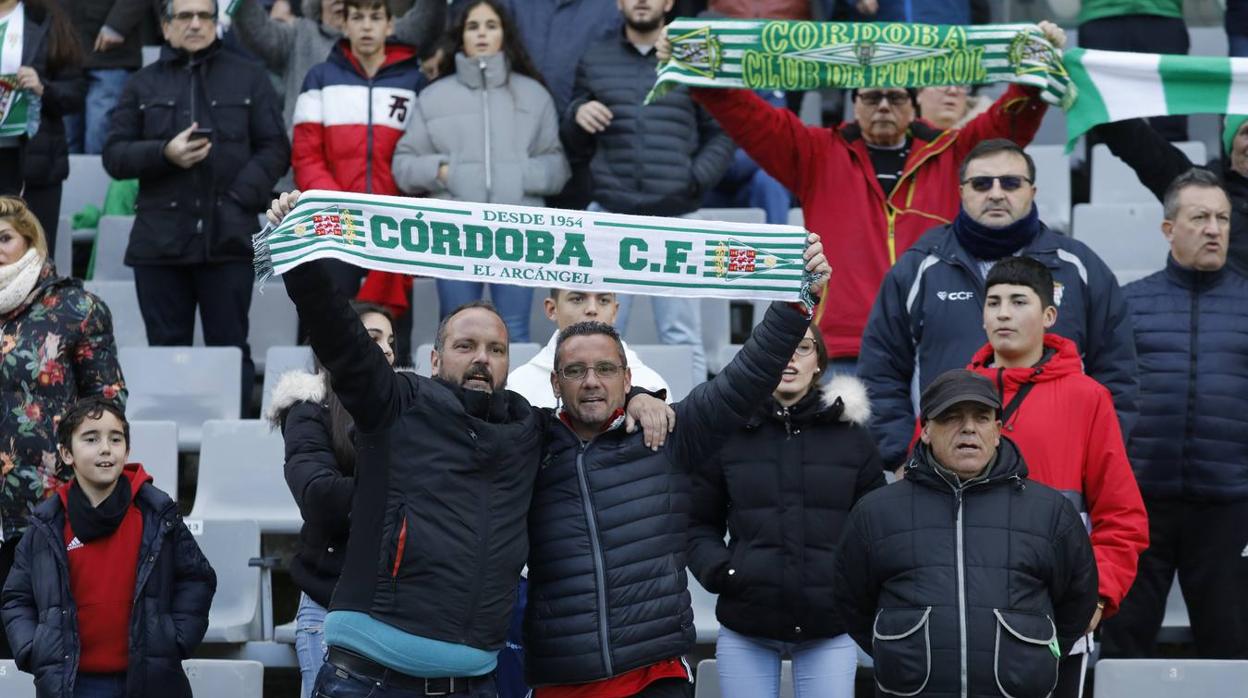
767 9
830 171
1067 431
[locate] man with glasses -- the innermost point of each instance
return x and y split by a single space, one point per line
608 609
202 131
870 187
928 317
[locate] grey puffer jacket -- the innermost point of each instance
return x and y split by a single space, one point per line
290 50
496 130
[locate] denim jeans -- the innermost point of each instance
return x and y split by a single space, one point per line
512 302
331 683
86 132
100 685
309 642
510 672
749 667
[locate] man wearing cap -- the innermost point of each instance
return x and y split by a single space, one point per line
965 579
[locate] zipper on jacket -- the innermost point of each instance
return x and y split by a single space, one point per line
368 154
1193 329
961 558
604 635
485 115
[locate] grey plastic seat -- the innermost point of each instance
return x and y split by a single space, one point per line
15 683
797 217
1127 237
732 215
155 445
241 477
123 303
224 678
1113 182
1052 185
64 252
704 621
1170 678
186 384
521 352
707 685
111 240
87 184
672 361
1176 625
425 311
716 331
274 322
236 613
278 361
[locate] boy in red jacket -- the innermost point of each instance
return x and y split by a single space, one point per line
1064 424
109 592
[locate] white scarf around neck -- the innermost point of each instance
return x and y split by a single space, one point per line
18 279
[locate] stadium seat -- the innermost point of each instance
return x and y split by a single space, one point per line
63 255
87 184
186 384
155 445
716 331
1126 236
15 683
222 678
425 311
123 304
1052 185
280 360
1170 678
1176 626
672 361
797 217
110 249
285 633
707 685
732 215
241 476
704 621
1113 182
236 615
274 322
521 352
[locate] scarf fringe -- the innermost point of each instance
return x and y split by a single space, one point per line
262 260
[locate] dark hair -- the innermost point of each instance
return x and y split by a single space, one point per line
586 329
64 49
992 146
366 5
340 421
1023 271
1195 177
168 10
518 60
92 407
440 337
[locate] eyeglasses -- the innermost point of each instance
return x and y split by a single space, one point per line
204 16
873 99
1008 182
604 370
805 347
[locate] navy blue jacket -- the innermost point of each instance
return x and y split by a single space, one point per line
928 318
1190 332
173 593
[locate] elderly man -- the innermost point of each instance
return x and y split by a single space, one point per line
1190 449
928 317
870 187
965 578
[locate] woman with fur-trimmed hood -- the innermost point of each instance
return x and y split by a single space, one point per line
320 471
782 488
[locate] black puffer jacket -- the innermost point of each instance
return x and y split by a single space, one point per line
321 486
173 593
45 158
655 159
122 16
782 487
975 589
607 585
443 482
206 213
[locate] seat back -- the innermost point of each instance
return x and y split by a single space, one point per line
1127 237
123 303
1170 678
222 678
87 184
672 361
279 361
732 215
707 685
111 240
1052 185
15 683
1114 182
235 616
241 476
186 384
155 445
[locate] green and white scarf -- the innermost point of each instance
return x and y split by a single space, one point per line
529 246
14 102
789 55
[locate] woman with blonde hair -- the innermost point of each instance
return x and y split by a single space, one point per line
56 346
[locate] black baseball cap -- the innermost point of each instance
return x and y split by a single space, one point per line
955 386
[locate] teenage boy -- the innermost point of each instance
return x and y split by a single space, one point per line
1064 424
109 592
350 115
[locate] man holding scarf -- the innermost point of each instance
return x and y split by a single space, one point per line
927 317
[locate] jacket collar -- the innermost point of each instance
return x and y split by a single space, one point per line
1009 467
292 388
842 399
177 56
481 72
396 53
1191 278
1061 358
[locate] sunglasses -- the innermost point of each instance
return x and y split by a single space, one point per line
873 99
189 16
1008 182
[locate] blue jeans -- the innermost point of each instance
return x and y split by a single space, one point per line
100 685
330 683
749 667
512 303
309 642
678 320
510 672
86 132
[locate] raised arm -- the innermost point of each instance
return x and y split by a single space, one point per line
273 41
1155 160
421 25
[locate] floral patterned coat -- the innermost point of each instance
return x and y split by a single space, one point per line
54 348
